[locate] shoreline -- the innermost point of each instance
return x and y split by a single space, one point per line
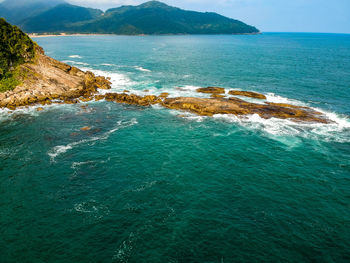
35 35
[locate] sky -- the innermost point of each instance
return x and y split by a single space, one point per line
331 16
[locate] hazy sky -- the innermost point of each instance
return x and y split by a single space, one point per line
267 15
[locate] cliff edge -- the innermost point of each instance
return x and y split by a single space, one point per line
28 76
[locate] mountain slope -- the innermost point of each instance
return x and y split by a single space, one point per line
59 18
15 11
149 18
16 48
158 18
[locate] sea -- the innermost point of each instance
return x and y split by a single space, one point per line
149 184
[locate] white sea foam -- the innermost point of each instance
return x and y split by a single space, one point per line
338 131
92 208
144 186
142 69
6 114
271 97
119 81
75 56
60 149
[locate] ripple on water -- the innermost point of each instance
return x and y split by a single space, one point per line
60 149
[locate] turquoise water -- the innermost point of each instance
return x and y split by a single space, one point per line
148 185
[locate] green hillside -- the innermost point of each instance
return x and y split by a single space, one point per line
15 11
15 48
149 18
59 18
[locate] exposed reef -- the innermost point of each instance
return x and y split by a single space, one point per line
247 94
232 105
212 90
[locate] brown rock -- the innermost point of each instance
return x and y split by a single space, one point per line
217 96
209 107
146 90
247 94
213 90
133 99
126 91
86 99
86 128
39 109
11 107
47 79
164 95
70 101
99 97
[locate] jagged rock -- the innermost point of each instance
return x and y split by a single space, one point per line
99 97
213 90
133 99
209 107
247 94
83 99
47 79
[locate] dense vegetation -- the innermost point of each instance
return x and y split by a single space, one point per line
158 18
15 48
59 18
149 18
15 11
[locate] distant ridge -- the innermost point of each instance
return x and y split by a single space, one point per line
59 18
15 11
150 18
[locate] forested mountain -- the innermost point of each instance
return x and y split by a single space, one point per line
15 11
149 18
158 18
59 18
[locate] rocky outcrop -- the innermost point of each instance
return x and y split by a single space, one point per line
235 106
133 99
45 80
212 106
247 94
212 90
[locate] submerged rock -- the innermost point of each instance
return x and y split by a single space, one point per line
247 94
86 128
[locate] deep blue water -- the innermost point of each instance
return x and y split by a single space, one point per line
148 185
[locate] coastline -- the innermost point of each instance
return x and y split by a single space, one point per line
36 35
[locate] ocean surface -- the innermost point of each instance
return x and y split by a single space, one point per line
158 185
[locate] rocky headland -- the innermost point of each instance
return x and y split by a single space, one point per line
47 81
37 79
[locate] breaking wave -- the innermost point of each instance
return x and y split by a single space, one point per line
75 56
60 149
